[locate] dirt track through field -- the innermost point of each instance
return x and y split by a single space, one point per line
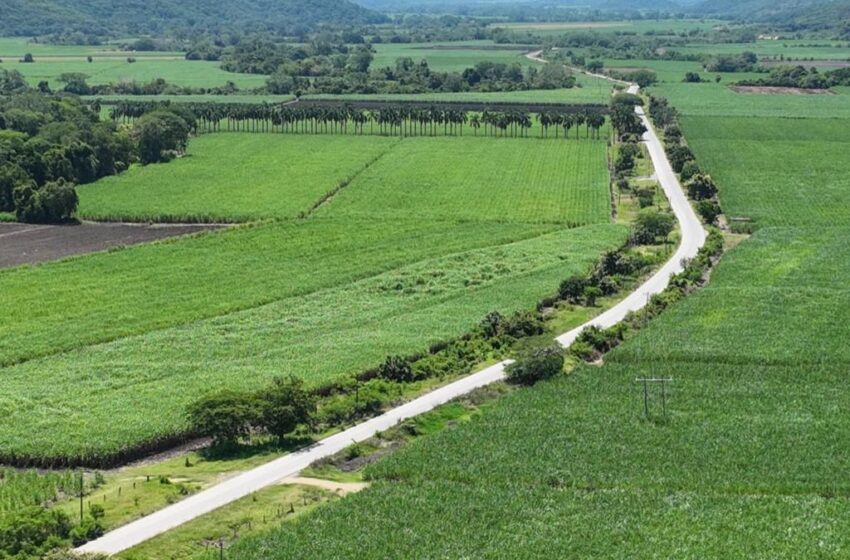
31 244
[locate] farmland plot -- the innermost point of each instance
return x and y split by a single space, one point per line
782 172
87 300
234 177
105 399
535 181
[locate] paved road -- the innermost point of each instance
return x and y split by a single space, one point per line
287 466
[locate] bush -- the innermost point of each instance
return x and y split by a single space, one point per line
536 365
689 170
52 203
645 196
88 530
701 187
396 369
650 225
31 532
591 294
572 289
708 210
225 417
692 78
679 155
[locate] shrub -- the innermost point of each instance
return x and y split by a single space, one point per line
689 170
572 289
701 187
522 324
645 196
591 294
708 210
650 225
679 155
225 417
396 369
536 365
53 202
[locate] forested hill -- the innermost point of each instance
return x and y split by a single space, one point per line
810 13
133 17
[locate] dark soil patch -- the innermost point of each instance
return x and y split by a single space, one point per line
31 244
771 90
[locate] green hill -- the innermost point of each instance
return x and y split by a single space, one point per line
810 13
133 17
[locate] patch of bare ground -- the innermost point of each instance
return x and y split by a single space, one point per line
341 488
32 244
773 90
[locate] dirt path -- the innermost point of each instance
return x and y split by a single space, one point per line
341 488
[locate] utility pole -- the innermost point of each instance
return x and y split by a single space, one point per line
647 381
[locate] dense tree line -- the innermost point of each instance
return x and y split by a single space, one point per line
389 120
801 77
50 143
326 66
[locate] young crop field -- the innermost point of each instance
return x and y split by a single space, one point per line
789 49
234 177
104 399
537 181
21 489
765 167
711 99
147 287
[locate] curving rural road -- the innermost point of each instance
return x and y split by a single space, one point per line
692 238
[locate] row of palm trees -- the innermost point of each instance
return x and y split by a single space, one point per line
391 120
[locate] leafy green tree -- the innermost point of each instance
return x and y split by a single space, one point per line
286 405
701 187
536 365
12 175
572 289
651 224
226 417
160 135
52 202
591 294
32 532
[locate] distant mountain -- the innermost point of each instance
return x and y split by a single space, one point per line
134 17
537 9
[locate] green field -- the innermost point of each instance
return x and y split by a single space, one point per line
762 165
149 379
415 249
718 100
252 176
235 177
174 70
749 461
489 179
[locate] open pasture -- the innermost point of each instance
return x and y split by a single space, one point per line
234 177
102 400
